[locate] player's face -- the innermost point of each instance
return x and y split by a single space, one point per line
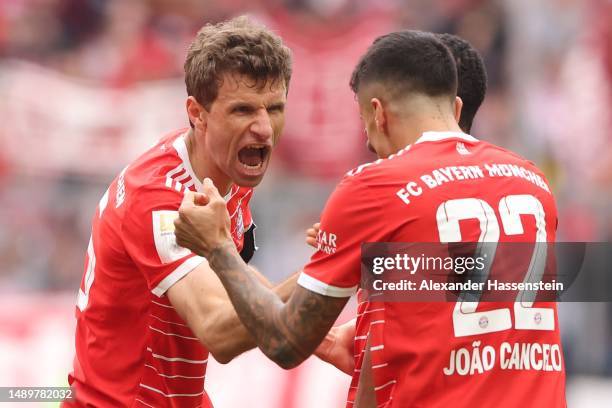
244 124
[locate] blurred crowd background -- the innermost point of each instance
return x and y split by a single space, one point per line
87 85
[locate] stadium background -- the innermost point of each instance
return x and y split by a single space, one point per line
86 85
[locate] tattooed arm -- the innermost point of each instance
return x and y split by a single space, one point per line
286 333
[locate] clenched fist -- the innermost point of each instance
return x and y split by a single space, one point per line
203 223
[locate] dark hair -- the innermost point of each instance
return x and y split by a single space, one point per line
472 85
235 46
407 61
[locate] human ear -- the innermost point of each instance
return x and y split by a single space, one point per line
197 113
458 106
380 115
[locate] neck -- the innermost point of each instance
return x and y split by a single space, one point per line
410 128
203 166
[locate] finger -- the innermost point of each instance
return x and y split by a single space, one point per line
311 232
311 241
177 229
316 226
210 190
188 200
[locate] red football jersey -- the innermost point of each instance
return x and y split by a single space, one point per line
132 348
447 187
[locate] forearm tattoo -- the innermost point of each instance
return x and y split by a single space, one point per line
286 333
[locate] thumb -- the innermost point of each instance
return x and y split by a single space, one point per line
209 189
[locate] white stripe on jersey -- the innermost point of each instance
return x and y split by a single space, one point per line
144 403
385 385
182 176
175 171
322 288
173 277
184 360
239 201
232 194
370 311
385 403
170 395
166 321
173 334
173 376
162 305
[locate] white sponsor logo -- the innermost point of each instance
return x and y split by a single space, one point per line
326 242
163 234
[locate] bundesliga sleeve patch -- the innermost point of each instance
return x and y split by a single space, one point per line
163 234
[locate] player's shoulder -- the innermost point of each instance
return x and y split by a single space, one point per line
368 182
159 173
500 154
376 170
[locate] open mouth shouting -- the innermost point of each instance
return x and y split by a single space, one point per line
253 158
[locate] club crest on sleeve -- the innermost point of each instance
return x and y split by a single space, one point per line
163 235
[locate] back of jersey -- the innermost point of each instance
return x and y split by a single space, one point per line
451 188
445 189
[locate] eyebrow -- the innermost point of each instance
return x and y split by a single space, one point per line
237 104
276 105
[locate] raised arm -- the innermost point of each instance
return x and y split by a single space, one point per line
338 345
286 333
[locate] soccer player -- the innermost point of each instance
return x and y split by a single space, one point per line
406 87
148 311
337 347
471 77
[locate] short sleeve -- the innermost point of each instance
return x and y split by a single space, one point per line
148 235
351 217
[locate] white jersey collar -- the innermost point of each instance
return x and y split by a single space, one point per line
181 148
437 136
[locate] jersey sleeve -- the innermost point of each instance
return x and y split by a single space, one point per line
351 217
148 234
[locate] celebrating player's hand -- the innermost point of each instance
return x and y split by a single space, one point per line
338 346
311 234
203 223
